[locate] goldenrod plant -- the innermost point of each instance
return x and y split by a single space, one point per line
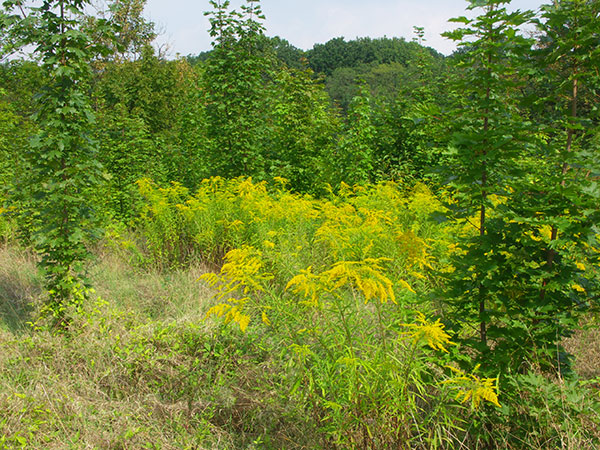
341 321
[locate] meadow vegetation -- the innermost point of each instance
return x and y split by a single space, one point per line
223 322
231 251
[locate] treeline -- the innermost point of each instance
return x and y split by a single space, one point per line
388 66
338 53
253 106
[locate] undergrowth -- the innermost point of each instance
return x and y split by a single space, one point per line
247 316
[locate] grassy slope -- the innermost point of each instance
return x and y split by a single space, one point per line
139 372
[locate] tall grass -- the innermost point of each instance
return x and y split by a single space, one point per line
247 316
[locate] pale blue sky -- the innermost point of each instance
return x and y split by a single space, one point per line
306 22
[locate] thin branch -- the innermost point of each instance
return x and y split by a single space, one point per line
22 10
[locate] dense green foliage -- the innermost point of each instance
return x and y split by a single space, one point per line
235 88
387 230
60 167
337 53
487 145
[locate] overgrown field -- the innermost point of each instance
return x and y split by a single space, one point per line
247 316
211 252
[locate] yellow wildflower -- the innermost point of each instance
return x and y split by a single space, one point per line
235 224
281 181
471 387
241 273
367 275
265 319
232 312
243 268
430 332
414 249
405 285
268 244
307 284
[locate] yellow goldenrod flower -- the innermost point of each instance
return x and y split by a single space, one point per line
366 275
281 180
415 249
268 244
232 313
265 319
405 285
308 284
471 387
431 333
241 273
235 224
243 268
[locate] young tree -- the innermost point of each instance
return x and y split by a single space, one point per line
8 126
526 189
356 146
132 31
127 153
484 148
302 129
561 191
62 164
234 85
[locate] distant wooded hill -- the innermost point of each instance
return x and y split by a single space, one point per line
387 66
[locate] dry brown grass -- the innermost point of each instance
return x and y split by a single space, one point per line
153 294
79 390
138 370
20 286
585 346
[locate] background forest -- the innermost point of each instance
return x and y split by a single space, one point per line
362 245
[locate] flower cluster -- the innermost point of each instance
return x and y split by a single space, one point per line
431 333
474 388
